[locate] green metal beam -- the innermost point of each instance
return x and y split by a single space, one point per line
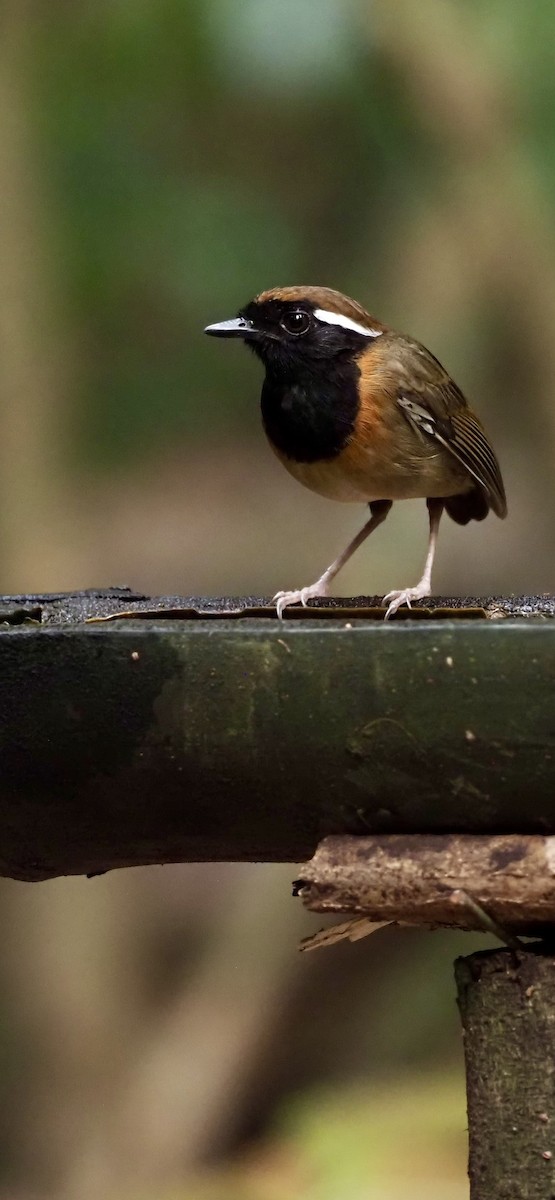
159 740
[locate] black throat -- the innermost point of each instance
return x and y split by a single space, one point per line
310 415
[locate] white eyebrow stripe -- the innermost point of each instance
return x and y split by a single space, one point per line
333 318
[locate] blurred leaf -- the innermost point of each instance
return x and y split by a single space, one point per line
264 45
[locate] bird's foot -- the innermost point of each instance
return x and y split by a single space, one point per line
283 599
395 599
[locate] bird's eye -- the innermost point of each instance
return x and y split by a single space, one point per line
297 322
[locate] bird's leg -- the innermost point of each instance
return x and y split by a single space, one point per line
394 600
379 510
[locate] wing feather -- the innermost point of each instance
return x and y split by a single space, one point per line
470 445
437 409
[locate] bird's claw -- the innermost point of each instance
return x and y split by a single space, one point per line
395 599
284 599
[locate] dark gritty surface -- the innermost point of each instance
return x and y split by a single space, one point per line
138 741
72 608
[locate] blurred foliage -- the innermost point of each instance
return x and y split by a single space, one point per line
407 1142
161 161
200 151
181 156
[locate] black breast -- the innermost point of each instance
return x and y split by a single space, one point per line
311 418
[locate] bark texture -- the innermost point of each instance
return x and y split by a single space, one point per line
460 880
507 1004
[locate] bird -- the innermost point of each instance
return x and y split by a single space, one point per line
358 412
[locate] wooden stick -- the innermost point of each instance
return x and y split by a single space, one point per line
504 883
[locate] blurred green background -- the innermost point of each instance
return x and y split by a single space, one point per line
161 161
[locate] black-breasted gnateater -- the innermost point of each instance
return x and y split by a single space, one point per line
358 412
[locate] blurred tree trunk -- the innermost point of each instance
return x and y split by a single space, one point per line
34 359
70 995
123 1098
507 1003
494 210
184 1099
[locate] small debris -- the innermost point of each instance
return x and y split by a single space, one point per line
284 644
469 735
353 930
530 991
547 1155
348 625
543 1117
448 661
134 655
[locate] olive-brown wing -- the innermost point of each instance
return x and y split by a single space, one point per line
435 405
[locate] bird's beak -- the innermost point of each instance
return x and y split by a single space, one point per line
237 327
